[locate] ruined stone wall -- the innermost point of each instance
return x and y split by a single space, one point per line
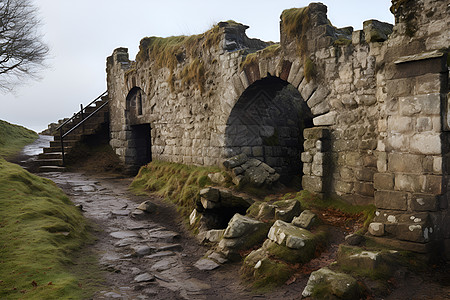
363 115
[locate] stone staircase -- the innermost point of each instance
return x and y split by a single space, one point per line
88 121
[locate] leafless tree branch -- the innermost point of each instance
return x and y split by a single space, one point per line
22 51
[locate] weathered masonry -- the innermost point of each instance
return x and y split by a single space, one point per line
359 114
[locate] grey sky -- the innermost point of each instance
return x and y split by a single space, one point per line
82 33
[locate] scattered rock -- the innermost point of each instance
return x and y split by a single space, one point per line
217 257
306 219
141 250
242 233
250 170
146 277
287 209
214 235
205 264
329 282
123 234
163 265
262 211
147 206
217 178
138 214
160 254
354 239
376 229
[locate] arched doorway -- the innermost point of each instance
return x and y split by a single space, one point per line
139 131
267 123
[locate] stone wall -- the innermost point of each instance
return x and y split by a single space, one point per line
361 115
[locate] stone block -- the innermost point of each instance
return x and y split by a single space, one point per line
312 183
353 159
338 285
433 184
391 200
364 188
306 157
307 88
424 124
426 143
317 169
399 124
358 37
405 163
287 209
376 229
383 181
318 97
326 119
365 174
376 31
408 182
306 219
316 133
343 187
424 202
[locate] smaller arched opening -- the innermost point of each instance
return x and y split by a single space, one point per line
139 138
267 123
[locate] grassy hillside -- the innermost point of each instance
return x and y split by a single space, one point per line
39 230
13 138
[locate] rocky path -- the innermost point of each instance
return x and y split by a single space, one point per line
146 255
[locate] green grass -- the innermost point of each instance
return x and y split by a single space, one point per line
39 231
310 201
13 138
175 182
268 52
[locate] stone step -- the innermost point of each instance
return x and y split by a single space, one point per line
54 155
45 169
56 149
66 143
50 162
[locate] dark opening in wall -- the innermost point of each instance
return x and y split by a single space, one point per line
139 146
267 123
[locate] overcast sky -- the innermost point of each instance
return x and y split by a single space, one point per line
82 33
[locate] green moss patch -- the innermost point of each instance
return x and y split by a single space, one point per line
268 52
13 138
175 182
39 231
171 51
269 274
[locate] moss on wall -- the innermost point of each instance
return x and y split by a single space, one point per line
169 52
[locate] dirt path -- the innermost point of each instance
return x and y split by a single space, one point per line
145 256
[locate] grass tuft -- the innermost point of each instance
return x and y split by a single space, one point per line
177 183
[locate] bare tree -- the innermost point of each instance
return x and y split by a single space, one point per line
22 51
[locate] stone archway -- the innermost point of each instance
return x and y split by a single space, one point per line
134 103
267 123
138 151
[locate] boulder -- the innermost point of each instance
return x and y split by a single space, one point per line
291 243
147 206
217 178
306 219
214 235
375 263
241 233
235 161
287 209
252 171
262 211
325 282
